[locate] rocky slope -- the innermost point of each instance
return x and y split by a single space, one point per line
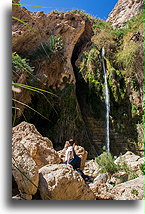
123 11
62 52
39 174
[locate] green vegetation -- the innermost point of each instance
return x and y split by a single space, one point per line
52 46
106 162
22 92
134 192
142 168
90 68
83 13
117 85
19 64
126 56
101 25
131 174
135 22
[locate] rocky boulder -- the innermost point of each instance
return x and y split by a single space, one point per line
102 191
25 171
39 148
118 177
130 190
132 160
91 168
79 151
60 182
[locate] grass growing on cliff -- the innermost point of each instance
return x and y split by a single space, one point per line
50 47
106 162
19 64
126 56
130 42
20 68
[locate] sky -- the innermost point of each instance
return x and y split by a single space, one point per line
97 8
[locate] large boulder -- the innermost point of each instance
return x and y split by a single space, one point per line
79 151
91 168
60 182
102 191
130 190
25 171
133 161
101 188
38 147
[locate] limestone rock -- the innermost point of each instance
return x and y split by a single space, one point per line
101 188
102 191
101 178
132 160
79 151
25 171
91 168
124 10
69 26
38 147
130 190
60 182
118 178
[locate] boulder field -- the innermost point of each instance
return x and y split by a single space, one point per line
38 169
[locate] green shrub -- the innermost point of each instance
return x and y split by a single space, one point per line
135 22
118 32
83 13
106 162
102 25
52 46
126 55
134 192
19 64
142 168
131 174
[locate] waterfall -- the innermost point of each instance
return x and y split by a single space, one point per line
107 102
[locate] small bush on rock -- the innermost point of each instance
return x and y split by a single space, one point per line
106 162
142 168
131 174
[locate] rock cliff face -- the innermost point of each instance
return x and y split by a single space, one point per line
64 51
28 39
124 10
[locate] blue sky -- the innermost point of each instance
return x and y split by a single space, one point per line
97 8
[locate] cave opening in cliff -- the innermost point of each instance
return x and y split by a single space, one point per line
88 100
82 88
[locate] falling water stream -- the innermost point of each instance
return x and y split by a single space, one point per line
107 101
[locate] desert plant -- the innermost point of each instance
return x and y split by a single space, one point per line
104 39
126 55
50 47
101 25
106 162
134 192
131 174
142 168
19 64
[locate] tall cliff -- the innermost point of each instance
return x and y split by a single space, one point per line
124 10
60 52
